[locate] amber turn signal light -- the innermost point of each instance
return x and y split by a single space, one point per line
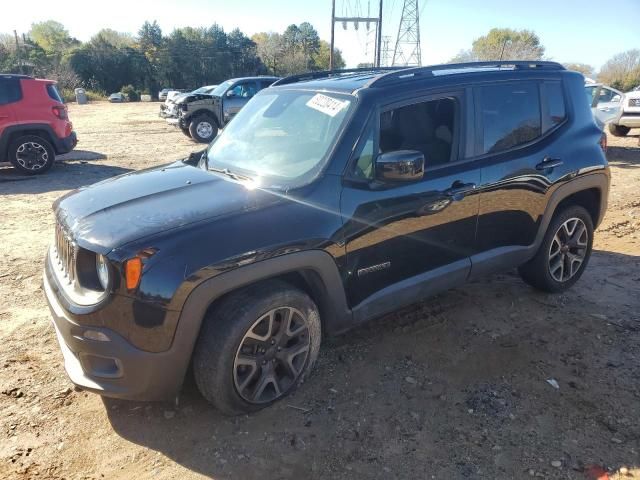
133 272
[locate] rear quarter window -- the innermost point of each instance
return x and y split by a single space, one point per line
53 93
510 115
10 90
556 111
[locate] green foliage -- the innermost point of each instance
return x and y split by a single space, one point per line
622 71
298 49
503 43
186 58
69 95
132 94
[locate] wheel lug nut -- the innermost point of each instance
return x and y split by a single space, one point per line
273 341
279 348
264 362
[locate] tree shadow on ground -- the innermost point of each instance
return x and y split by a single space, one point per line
412 393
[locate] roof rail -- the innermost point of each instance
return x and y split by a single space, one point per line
428 70
15 75
301 77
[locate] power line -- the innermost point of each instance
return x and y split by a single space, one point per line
355 20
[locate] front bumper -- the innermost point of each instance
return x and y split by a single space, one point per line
112 366
631 121
65 145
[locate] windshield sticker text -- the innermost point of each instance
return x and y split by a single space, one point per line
327 105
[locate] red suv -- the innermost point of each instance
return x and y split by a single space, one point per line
34 124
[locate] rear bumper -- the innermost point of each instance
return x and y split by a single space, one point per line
113 367
65 145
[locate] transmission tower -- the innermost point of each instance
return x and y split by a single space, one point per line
386 51
407 51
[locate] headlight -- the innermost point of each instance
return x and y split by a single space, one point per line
102 269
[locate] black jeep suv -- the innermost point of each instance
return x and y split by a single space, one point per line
331 199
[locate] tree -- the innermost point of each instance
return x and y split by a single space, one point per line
583 68
505 44
622 71
51 36
321 59
117 39
269 48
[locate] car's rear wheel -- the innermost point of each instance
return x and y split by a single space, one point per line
203 129
256 346
618 130
564 252
31 154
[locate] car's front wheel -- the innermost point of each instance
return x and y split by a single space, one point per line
31 154
203 129
185 131
564 253
618 130
256 346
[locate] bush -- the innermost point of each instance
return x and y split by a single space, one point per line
131 93
69 95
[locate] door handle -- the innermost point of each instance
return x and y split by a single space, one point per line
548 163
458 190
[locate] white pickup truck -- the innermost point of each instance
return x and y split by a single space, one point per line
610 106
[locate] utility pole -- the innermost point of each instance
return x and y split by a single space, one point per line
355 20
15 34
333 25
407 51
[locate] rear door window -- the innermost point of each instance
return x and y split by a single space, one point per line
510 115
10 91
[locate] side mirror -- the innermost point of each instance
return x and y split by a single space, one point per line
400 166
230 93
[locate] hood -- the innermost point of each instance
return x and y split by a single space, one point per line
117 211
193 97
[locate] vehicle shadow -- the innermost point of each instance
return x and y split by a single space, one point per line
624 157
398 397
64 175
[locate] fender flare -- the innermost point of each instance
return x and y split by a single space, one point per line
27 128
319 268
598 180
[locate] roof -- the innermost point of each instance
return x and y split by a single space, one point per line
354 79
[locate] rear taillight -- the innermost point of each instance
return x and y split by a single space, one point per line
60 112
603 142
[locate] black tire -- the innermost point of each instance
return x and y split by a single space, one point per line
186 132
31 154
203 129
542 271
221 350
618 130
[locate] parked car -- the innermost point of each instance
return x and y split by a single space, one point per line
162 94
332 198
621 111
170 109
117 97
200 117
34 123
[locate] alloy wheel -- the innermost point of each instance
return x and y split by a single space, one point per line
32 156
568 249
272 355
204 129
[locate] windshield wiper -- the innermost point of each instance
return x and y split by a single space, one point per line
229 173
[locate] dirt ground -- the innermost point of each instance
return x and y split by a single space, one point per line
456 387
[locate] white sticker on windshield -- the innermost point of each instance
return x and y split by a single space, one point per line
326 104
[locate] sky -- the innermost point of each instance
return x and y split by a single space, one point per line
585 31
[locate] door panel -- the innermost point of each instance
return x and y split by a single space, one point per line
394 235
402 239
242 92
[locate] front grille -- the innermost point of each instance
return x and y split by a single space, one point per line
634 102
65 254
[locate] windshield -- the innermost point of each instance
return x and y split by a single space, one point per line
284 136
220 89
